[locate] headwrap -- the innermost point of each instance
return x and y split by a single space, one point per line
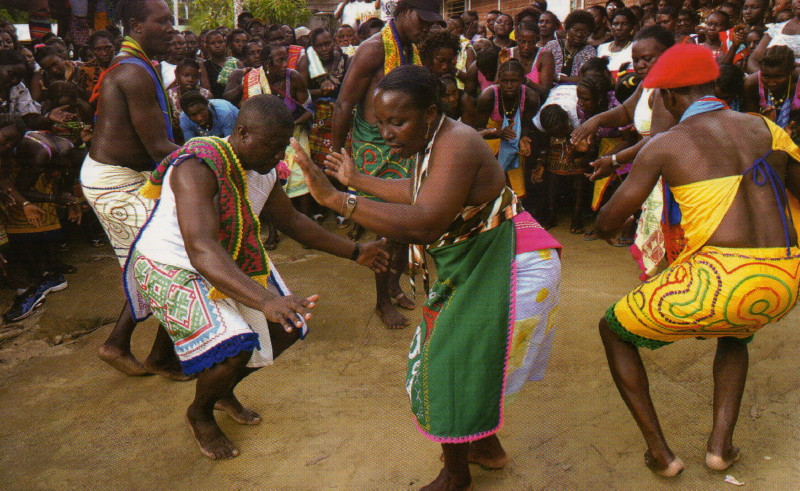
682 65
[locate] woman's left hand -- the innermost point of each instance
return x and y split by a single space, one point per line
318 184
373 256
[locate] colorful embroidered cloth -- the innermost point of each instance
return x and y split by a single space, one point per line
204 331
716 292
240 228
492 346
394 53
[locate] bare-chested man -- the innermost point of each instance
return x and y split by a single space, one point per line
132 133
386 50
739 267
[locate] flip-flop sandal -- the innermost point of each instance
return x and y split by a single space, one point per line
591 235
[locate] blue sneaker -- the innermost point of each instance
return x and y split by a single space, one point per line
24 305
51 283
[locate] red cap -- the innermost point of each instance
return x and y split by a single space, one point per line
682 65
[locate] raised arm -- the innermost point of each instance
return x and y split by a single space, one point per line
634 190
455 163
616 117
280 211
365 62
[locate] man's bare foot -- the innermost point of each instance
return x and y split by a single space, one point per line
390 317
446 481
237 412
125 362
722 462
167 370
663 469
212 441
356 232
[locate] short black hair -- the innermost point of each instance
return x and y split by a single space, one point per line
187 62
419 83
495 11
779 57
722 14
43 52
628 14
265 109
99 35
579 17
191 98
234 33
670 11
368 25
527 26
662 35
12 57
128 10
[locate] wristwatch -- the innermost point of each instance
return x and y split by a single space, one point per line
614 162
350 205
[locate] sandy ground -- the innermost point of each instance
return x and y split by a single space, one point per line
335 410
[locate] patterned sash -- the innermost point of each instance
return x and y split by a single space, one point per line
240 229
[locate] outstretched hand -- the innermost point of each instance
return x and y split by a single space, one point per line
340 166
373 256
602 167
584 132
288 310
320 186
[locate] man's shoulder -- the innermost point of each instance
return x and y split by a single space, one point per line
223 105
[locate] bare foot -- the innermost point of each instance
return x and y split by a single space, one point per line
491 456
663 469
356 232
212 441
401 300
237 412
449 482
125 362
389 315
167 370
487 453
722 462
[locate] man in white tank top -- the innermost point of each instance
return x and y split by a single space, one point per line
199 265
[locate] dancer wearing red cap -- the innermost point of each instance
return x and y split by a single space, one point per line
740 267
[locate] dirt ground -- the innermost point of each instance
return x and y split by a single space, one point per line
335 412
